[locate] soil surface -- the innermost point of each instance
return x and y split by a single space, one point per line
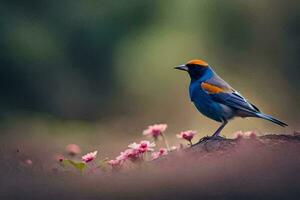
265 167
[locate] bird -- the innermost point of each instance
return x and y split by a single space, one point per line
216 99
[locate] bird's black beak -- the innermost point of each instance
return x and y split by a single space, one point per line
182 67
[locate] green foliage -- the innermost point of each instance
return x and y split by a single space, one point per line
102 164
77 165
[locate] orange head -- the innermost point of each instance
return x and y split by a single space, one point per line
197 62
193 64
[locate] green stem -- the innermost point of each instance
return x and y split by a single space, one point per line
165 140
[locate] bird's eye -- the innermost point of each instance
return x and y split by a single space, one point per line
190 65
193 66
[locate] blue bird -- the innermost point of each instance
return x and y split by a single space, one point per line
216 99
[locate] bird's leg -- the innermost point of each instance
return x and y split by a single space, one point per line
218 131
215 135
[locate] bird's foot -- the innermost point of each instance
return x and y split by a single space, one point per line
207 138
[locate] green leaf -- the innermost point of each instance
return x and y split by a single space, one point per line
78 165
102 164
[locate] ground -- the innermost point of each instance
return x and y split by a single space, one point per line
265 167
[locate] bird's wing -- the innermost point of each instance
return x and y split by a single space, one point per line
219 82
223 93
228 96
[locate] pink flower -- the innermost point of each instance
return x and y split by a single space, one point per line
251 134
28 162
131 154
143 146
73 149
174 148
115 163
122 157
161 152
155 130
89 157
238 134
134 146
155 155
187 135
59 158
296 133
247 134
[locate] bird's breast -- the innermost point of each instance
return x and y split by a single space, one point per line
197 93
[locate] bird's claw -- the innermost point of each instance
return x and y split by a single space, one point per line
206 138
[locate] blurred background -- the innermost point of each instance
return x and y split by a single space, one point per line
98 72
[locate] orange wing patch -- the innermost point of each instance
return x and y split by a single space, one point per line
212 89
198 62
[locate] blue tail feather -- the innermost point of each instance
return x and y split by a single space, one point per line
271 119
